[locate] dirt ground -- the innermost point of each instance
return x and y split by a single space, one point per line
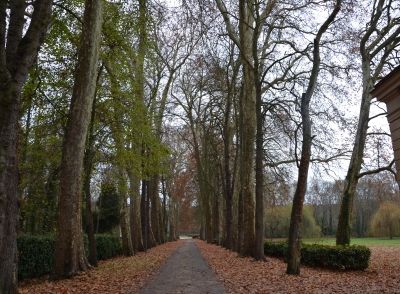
244 275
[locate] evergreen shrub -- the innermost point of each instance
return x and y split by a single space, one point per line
36 253
107 246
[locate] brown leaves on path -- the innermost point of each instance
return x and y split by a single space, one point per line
117 275
244 275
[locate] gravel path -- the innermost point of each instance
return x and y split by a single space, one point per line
184 272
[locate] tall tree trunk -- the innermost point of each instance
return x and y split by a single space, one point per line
259 170
8 189
248 128
88 167
293 266
151 241
216 232
228 191
17 55
343 232
139 91
207 215
240 230
160 225
147 234
173 221
134 216
240 235
143 214
164 208
228 242
69 258
155 207
127 248
375 50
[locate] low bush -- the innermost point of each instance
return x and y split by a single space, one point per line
276 249
36 253
108 246
337 257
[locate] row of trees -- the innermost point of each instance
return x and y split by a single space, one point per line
385 222
213 105
85 86
376 197
265 96
371 193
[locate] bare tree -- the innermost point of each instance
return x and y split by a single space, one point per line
293 266
378 40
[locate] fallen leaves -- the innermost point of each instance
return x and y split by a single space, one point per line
239 275
117 275
244 275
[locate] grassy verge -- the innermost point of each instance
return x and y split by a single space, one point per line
395 242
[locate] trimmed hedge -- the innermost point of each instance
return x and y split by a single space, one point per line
337 257
276 249
35 253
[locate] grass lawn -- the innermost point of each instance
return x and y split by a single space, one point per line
357 241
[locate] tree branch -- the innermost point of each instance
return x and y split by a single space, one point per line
378 170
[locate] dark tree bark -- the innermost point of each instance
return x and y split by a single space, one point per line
259 171
164 209
240 234
88 168
155 207
134 216
70 256
127 248
147 233
293 266
151 241
143 215
17 54
174 214
139 91
248 126
228 191
216 220
227 172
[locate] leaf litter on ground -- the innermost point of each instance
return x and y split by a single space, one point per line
116 275
244 275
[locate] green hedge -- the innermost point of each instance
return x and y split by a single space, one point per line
336 257
108 246
35 253
276 249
